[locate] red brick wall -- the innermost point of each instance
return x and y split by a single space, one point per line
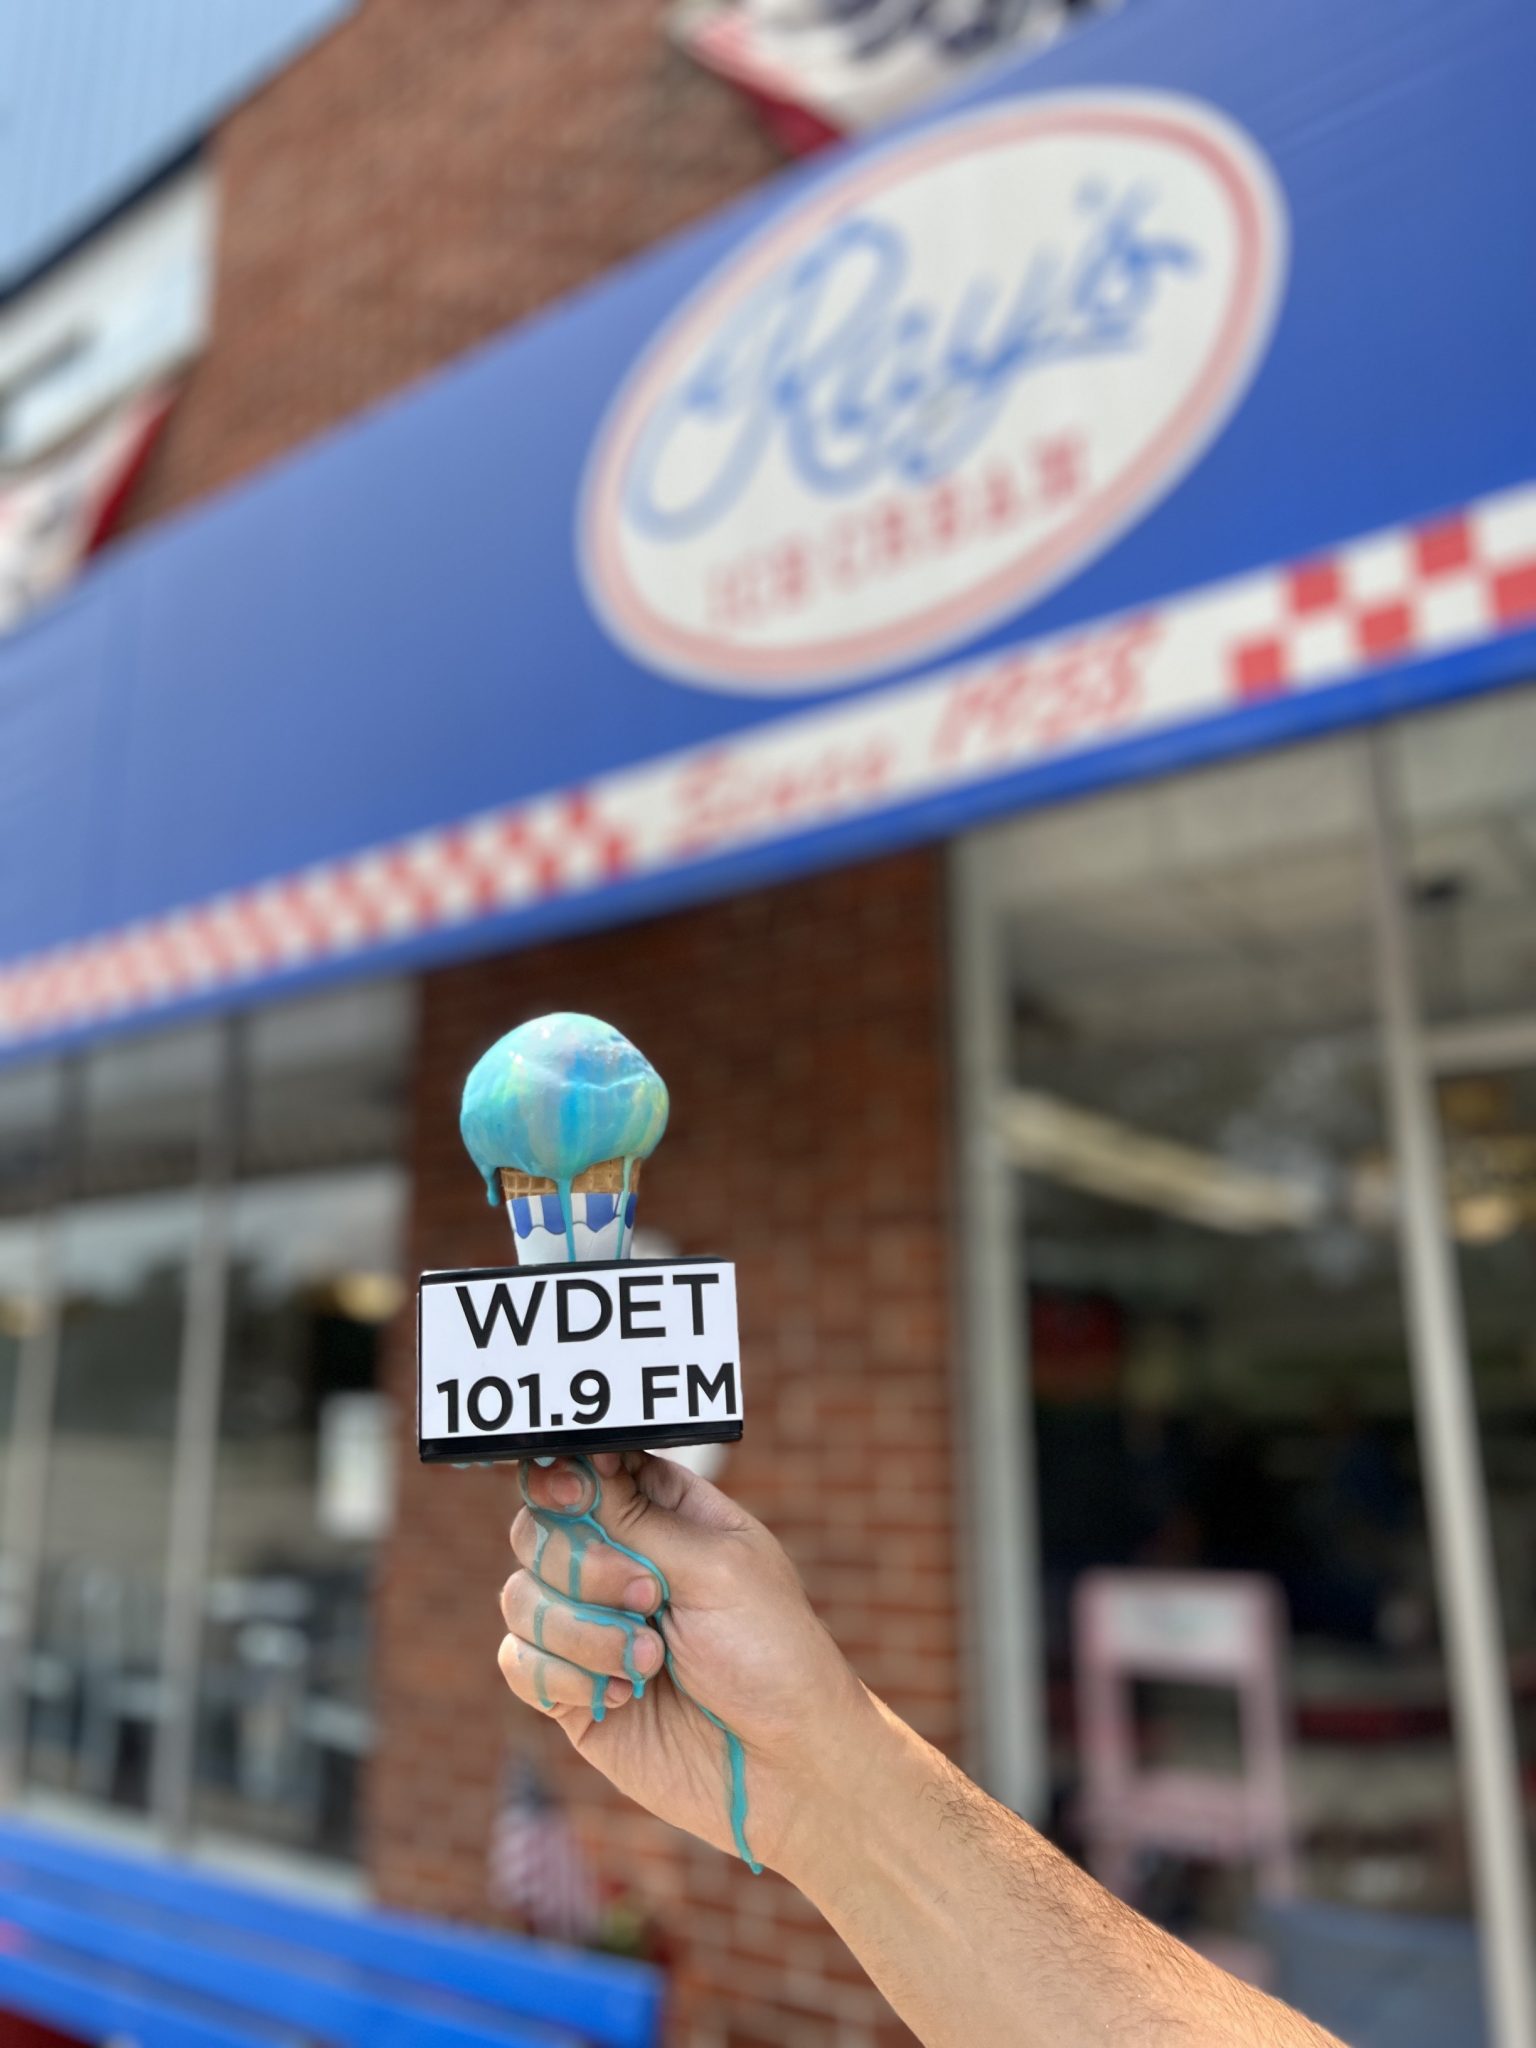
802 1033
430 173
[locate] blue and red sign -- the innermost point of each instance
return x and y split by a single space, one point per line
883 424
1167 394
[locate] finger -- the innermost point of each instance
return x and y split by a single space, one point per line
607 1462
665 1514
595 1638
565 1486
549 1683
583 1566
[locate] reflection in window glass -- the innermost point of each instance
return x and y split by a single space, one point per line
30 1105
1216 1336
20 1315
31 1121
324 1080
93 1681
305 1474
93 1678
145 1110
1468 779
305 1447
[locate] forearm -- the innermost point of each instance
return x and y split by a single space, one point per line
979 1932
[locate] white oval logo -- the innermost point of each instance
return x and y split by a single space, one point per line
936 389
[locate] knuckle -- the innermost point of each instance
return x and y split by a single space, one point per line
606 1569
548 1485
606 1649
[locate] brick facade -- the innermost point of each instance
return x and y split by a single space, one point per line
420 180
430 173
802 1030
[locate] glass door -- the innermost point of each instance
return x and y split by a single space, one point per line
1467 783
1215 1331
125 1243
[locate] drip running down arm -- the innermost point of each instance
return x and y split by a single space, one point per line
979 1933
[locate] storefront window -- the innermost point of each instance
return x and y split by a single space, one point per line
1468 782
20 1312
306 1443
1215 1326
94 1672
30 1101
306 1462
31 1105
135 1155
220 1208
324 1081
144 1113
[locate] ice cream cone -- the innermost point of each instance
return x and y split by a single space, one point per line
601 1219
539 1107
606 1178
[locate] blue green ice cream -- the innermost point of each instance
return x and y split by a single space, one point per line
557 1095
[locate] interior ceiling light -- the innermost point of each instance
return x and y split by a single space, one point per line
20 1316
1486 1218
1046 1136
368 1297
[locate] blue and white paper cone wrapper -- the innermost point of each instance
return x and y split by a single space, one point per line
600 1222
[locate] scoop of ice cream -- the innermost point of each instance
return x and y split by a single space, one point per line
560 1094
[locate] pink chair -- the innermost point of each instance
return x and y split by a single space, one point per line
1209 1628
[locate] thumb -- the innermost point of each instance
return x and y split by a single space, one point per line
672 1518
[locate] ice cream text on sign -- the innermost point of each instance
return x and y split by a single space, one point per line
946 379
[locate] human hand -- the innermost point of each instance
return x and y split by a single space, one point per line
728 1643
975 1928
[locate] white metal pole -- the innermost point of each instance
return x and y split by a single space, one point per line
1451 1455
194 1469
998 1461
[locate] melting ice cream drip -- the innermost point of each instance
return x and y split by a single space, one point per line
579 1531
553 1099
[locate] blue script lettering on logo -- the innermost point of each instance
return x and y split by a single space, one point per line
858 378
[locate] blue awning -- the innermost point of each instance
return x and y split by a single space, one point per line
121 1946
1167 394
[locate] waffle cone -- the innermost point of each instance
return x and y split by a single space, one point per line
606 1178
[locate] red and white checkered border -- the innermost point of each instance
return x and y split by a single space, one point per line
1396 596
349 906
1406 593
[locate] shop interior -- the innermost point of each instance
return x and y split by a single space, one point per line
1214 1312
243 1179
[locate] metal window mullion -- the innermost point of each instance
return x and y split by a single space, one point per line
194 1470
1450 1452
998 1476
